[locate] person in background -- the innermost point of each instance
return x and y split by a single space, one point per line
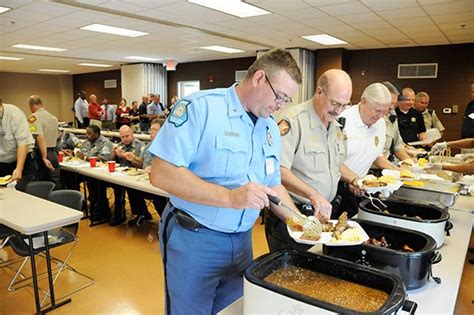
219 169
16 146
67 142
95 112
431 120
81 110
158 201
312 155
394 145
108 116
467 127
122 114
173 101
44 128
128 152
144 119
365 130
410 121
466 168
100 147
134 117
155 108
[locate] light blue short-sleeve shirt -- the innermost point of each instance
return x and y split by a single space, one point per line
210 133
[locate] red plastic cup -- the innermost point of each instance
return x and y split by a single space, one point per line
60 156
111 165
92 161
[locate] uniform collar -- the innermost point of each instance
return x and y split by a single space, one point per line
357 118
235 106
40 109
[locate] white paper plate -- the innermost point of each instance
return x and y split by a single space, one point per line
326 237
390 188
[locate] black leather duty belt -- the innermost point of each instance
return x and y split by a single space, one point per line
186 221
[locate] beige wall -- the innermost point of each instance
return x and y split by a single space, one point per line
55 91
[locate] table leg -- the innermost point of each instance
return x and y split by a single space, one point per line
35 277
54 305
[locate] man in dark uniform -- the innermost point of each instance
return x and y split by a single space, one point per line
467 127
16 145
142 110
410 121
44 128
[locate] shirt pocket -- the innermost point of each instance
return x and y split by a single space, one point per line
232 158
317 154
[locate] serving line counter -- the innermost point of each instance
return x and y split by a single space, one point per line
432 298
113 134
30 215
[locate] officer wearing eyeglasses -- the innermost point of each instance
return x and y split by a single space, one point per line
313 151
16 145
220 167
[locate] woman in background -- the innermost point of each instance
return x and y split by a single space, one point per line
122 114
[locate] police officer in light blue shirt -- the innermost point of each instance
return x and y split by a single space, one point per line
218 157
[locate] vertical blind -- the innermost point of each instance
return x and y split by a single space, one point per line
156 79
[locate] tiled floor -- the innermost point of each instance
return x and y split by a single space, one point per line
126 265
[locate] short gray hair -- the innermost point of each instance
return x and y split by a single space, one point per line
377 93
422 94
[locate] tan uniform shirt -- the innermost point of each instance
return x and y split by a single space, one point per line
431 120
43 123
313 153
13 133
392 138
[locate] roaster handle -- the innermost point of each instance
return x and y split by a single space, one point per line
409 306
436 258
449 225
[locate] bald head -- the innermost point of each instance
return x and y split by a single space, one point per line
126 134
93 98
333 92
35 102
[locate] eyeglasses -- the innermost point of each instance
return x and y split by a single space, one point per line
278 99
334 104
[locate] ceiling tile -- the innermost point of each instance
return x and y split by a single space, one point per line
303 14
402 13
449 8
378 5
360 18
322 22
452 18
49 9
344 9
371 25
412 22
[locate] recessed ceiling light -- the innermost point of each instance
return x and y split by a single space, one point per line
54 70
10 58
324 39
4 9
233 7
101 28
35 47
99 65
223 49
140 58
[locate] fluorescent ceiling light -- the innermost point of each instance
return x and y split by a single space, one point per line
4 9
140 58
233 7
54 70
34 47
324 39
223 49
10 58
101 28
99 65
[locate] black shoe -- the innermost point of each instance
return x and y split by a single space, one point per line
139 220
116 220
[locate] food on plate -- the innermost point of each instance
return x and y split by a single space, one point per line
414 183
311 235
373 183
295 224
71 159
404 173
133 171
349 235
422 162
5 179
341 225
329 289
388 179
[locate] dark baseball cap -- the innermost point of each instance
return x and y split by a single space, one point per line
395 89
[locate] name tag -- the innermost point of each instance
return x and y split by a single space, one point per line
269 166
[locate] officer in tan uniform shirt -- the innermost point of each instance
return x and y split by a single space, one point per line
312 154
422 100
44 128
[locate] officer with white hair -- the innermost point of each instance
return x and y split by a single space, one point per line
365 130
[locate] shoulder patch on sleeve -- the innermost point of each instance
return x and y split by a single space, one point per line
284 126
31 119
179 114
32 129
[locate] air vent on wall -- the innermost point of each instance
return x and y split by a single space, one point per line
240 75
417 70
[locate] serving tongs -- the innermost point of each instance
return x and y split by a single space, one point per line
372 199
308 224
